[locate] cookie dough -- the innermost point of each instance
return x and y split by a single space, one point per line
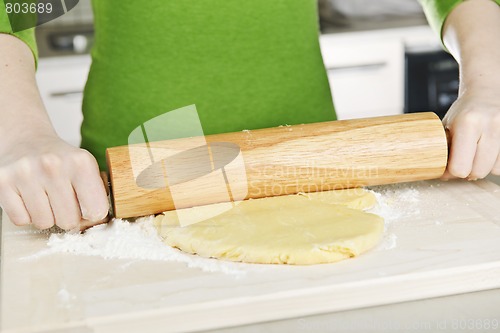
302 229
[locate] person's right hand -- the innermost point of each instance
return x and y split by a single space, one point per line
45 181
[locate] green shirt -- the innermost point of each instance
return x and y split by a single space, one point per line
244 64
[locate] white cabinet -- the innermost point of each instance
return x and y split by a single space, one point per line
366 70
61 82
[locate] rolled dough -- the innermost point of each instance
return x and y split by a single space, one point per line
302 229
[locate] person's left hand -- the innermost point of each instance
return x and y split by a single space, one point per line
473 122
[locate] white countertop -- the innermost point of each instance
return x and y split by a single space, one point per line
457 313
101 291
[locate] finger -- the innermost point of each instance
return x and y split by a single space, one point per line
486 156
462 151
90 190
447 176
64 204
37 203
85 224
13 206
62 198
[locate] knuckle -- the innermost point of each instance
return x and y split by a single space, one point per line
24 167
471 114
83 159
50 164
469 120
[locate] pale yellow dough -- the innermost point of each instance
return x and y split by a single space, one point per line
302 229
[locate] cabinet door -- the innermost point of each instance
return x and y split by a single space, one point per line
61 82
366 75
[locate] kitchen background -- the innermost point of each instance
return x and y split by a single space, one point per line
382 50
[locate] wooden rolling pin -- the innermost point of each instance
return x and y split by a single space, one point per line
153 177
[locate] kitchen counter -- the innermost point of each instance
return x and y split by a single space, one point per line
450 247
457 313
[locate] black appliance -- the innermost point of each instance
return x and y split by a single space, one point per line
431 81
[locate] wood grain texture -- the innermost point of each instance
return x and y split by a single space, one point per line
158 176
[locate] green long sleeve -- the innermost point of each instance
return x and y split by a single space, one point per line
438 10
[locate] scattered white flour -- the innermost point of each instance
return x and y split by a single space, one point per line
121 239
389 242
394 202
139 240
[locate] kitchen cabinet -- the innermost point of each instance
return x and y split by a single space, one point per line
61 81
366 69
366 77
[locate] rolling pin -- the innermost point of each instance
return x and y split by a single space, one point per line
153 177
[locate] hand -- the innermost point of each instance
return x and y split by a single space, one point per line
45 181
470 33
474 125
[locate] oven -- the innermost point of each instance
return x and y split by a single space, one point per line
431 81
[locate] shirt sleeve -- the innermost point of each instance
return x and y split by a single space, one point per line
27 36
438 10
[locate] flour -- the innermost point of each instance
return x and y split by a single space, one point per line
393 203
139 240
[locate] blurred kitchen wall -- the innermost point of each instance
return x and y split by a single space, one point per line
343 13
376 8
81 14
